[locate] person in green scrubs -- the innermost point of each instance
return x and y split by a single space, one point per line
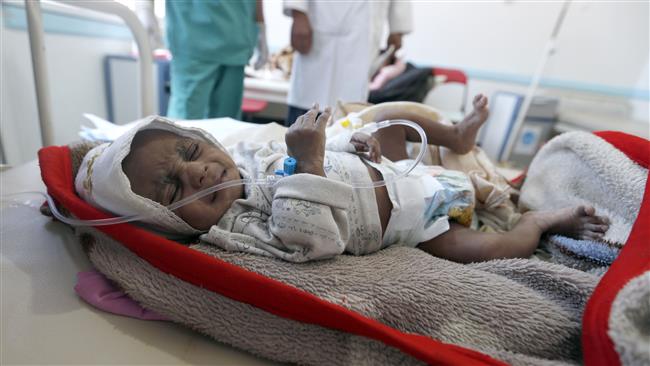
211 41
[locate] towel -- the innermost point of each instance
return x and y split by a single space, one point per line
586 255
586 170
94 288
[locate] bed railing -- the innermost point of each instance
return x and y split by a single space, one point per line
37 46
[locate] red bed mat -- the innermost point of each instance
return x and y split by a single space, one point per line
242 285
633 260
289 302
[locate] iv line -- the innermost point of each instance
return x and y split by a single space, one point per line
268 180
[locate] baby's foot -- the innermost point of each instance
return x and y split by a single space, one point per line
579 222
469 126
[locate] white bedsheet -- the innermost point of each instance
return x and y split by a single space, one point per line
226 130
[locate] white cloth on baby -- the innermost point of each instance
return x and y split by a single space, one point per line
102 183
415 217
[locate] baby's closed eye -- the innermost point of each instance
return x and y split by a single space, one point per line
188 149
169 190
192 152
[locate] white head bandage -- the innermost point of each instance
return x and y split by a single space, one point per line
102 183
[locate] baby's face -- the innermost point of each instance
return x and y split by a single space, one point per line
166 168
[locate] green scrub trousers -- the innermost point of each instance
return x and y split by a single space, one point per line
202 90
211 41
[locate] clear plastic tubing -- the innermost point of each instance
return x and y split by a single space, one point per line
269 180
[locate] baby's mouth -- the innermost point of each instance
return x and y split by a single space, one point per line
220 179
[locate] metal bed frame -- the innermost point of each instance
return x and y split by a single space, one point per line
37 46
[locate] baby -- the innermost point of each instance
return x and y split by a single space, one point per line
314 213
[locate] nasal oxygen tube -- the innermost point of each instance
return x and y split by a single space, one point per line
288 169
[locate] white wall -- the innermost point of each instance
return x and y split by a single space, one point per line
74 66
600 42
278 26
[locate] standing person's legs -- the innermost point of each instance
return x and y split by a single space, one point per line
292 114
191 85
227 92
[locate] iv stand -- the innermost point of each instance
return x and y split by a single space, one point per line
549 50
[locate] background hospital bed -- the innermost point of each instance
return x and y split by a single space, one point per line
43 320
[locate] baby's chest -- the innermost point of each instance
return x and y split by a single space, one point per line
344 167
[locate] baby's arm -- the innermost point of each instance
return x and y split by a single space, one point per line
309 216
306 141
309 212
355 143
308 221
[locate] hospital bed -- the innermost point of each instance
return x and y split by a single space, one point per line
42 305
44 322
632 260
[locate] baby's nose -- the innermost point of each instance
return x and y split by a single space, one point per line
195 174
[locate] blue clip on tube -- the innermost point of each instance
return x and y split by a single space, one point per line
289 167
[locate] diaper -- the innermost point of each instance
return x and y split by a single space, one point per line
424 202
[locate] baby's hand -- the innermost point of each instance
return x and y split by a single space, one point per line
306 141
365 143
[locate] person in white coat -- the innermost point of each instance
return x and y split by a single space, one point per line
336 43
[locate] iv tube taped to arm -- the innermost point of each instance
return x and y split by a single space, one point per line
269 180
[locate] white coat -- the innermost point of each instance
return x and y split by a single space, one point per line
346 38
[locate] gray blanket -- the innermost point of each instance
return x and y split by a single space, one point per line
587 169
581 168
520 311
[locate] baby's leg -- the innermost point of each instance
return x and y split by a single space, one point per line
461 244
460 138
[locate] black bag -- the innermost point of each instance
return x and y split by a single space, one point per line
412 85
